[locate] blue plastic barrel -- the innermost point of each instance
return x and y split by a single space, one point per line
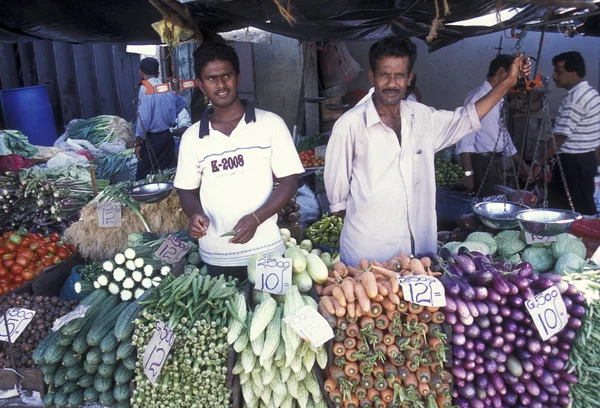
29 110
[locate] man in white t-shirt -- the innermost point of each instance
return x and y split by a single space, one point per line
227 161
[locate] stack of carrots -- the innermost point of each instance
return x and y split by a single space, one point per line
388 352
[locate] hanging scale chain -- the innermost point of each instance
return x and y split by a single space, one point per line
545 127
490 163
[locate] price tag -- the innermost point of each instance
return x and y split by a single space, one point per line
548 311
78 313
310 325
273 275
109 215
423 290
157 351
537 239
16 319
596 257
172 250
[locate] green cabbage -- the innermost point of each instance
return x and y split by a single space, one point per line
476 246
452 246
567 243
569 263
515 259
485 238
509 243
540 258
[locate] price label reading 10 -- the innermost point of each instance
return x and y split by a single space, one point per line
549 312
273 275
157 351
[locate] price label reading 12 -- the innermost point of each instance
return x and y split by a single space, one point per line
15 320
310 325
273 275
172 250
548 312
157 351
536 239
423 290
109 215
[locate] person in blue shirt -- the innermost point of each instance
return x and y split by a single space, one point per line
157 113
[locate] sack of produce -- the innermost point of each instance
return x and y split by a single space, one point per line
67 292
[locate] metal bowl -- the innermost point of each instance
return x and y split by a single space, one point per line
546 222
498 214
150 193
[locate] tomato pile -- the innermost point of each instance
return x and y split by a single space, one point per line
309 159
23 256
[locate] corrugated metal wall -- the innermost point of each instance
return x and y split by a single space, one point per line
83 80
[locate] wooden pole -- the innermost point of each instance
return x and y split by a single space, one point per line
94 185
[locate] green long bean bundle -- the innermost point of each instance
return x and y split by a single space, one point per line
585 350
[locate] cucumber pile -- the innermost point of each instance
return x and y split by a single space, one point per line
91 358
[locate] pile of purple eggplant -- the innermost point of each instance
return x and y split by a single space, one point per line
499 358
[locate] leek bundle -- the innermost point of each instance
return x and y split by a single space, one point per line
100 129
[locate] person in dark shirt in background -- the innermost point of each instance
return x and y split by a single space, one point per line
157 113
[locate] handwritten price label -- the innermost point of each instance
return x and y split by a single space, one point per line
15 320
537 239
310 325
596 257
423 290
157 351
172 250
548 311
273 275
78 313
109 215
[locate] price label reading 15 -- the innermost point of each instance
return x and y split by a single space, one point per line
596 257
310 325
157 351
273 275
423 290
548 312
14 322
535 239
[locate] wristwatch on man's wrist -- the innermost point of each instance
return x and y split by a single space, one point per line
469 173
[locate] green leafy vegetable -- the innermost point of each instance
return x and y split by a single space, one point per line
569 263
509 243
485 238
567 243
540 258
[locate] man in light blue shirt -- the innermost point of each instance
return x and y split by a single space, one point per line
157 113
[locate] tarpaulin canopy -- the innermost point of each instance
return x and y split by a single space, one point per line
94 21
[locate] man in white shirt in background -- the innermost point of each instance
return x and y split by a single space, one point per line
577 135
380 170
489 144
226 165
